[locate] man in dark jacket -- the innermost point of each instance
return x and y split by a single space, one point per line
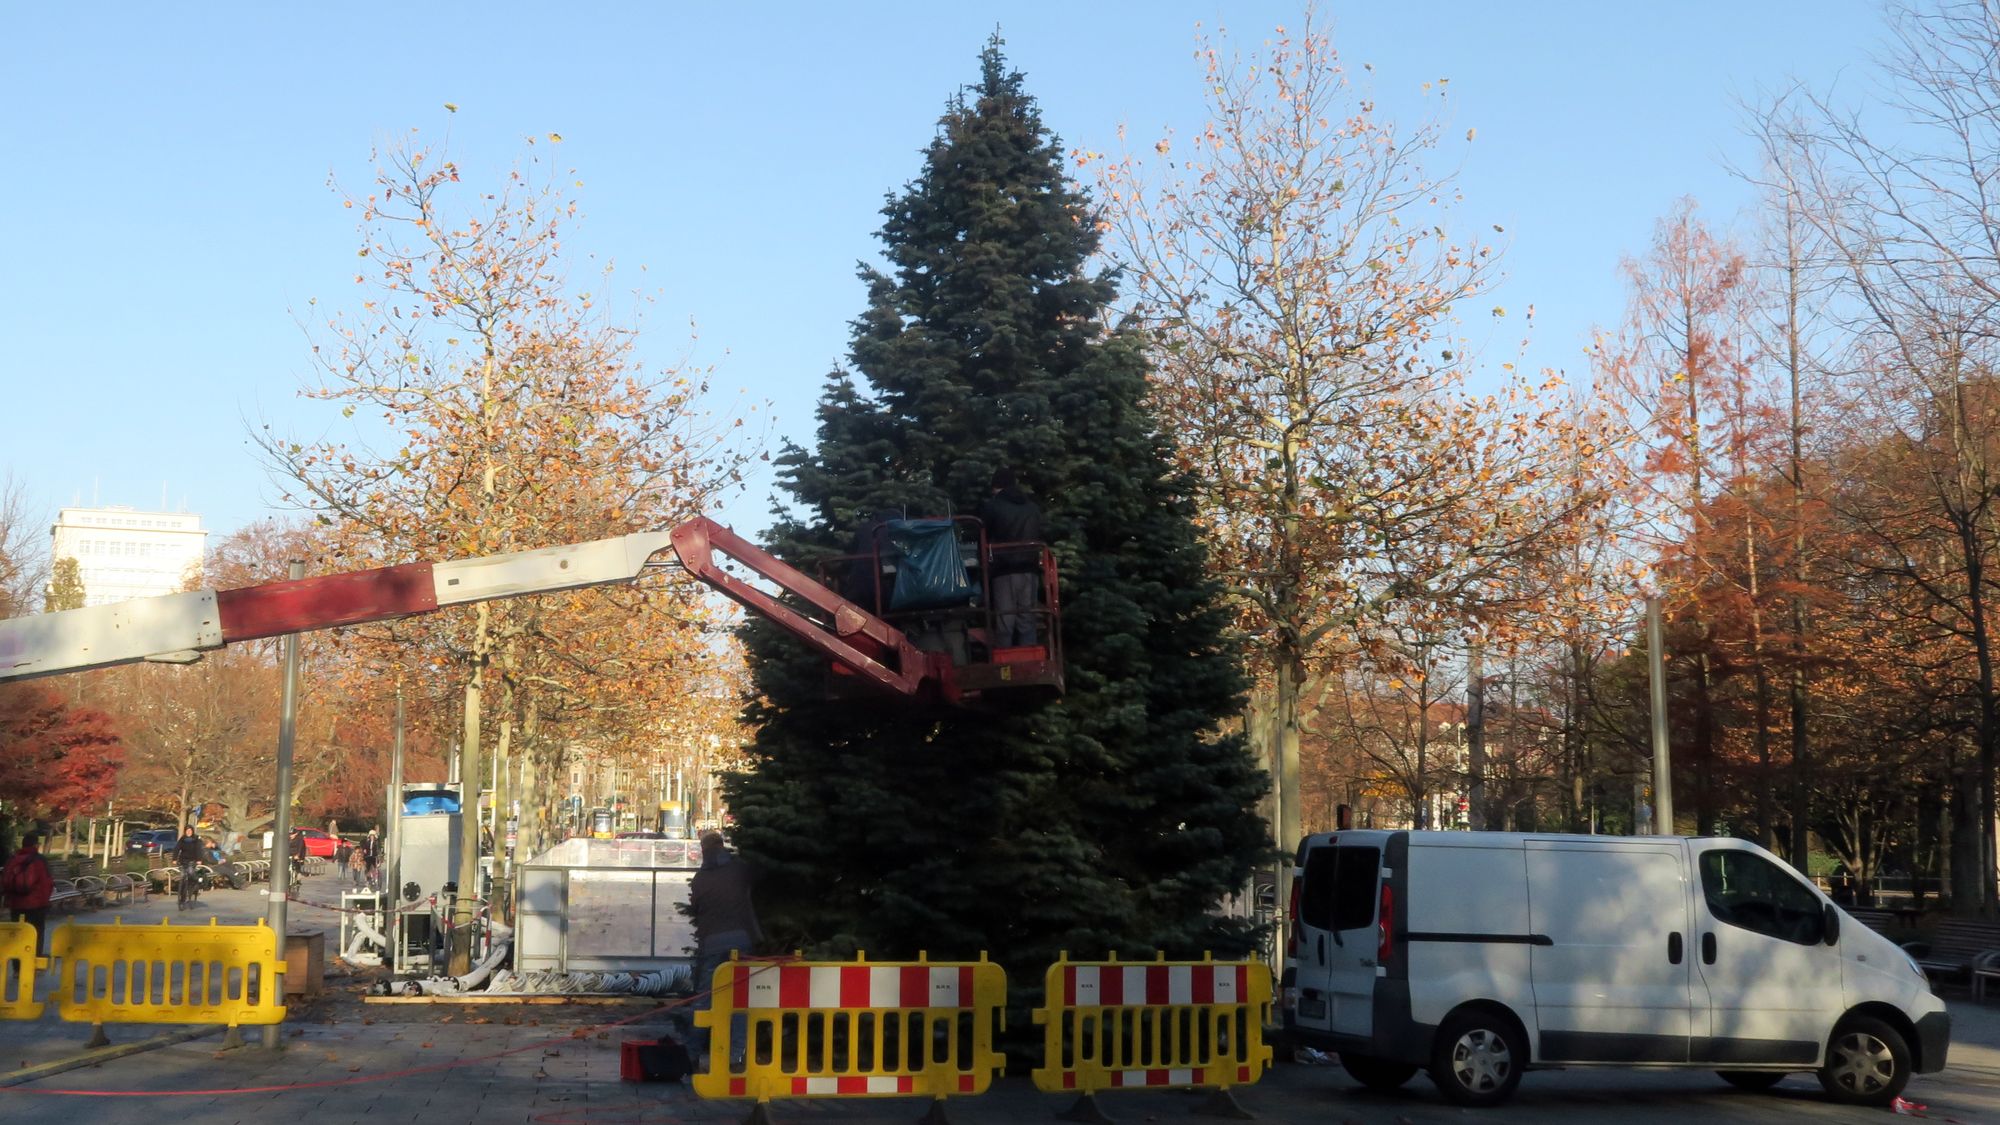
188 853
864 574
1011 517
29 886
725 922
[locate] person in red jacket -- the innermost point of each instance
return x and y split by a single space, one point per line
28 886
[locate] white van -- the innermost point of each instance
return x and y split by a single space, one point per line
1478 955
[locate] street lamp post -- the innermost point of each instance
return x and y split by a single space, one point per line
281 822
1663 776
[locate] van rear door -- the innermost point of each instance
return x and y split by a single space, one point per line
1336 956
1613 983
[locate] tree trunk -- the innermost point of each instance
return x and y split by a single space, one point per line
1285 729
1573 731
469 773
1794 363
1976 853
1966 884
1704 748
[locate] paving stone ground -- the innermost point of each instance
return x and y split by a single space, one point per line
344 1061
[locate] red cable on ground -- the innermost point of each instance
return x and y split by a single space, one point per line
359 1080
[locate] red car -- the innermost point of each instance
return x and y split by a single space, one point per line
319 843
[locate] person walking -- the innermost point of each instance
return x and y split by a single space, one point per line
188 854
1011 517
297 848
357 866
725 922
374 847
28 886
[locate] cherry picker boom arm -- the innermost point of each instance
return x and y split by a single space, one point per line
178 628
852 636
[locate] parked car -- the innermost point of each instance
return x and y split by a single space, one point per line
319 843
151 842
1480 955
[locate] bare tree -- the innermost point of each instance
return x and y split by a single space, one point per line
1904 202
24 560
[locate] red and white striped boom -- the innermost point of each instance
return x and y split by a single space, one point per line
178 628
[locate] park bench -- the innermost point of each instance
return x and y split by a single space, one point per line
98 886
121 887
1961 946
163 879
1881 921
71 888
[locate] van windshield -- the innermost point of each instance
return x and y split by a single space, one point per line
1339 891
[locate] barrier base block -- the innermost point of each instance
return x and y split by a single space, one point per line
760 1115
1222 1103
1087 1111
97 1038
935 1114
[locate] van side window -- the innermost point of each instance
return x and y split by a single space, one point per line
1339 891
1750 891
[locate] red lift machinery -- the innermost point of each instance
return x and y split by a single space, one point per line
860 645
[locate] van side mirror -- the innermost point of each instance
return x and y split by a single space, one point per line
1831 924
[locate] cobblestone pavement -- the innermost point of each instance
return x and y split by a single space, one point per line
345 1061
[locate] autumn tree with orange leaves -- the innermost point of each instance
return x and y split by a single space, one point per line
1295 262
501 409
1682 373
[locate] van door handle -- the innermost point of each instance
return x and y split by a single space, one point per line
1674 948
1708 948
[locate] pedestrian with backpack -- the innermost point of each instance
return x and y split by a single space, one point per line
28 886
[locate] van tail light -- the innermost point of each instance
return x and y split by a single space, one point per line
1385 926
1292 934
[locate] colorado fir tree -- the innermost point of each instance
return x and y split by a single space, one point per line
1114 819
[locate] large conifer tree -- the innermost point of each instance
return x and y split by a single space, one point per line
1115 819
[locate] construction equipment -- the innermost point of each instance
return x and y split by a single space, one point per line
178 628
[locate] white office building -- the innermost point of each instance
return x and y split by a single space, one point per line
125 553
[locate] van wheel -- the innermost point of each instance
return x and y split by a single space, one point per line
1374 1073
1867 1062
1478 1058
1751 1079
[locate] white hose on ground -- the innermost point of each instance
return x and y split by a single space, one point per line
365 934
448 986
549 982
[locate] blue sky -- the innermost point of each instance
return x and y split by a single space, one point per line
167 217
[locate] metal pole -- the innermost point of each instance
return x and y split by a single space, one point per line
1663 775
392 836
1475 736
281 821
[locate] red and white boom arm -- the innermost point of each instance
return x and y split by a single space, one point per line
178 628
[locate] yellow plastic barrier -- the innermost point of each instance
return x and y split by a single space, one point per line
17 972
168 974
1125 1025
817 1029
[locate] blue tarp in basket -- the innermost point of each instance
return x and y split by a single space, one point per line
930 572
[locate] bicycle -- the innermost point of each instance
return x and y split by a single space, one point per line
190 887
